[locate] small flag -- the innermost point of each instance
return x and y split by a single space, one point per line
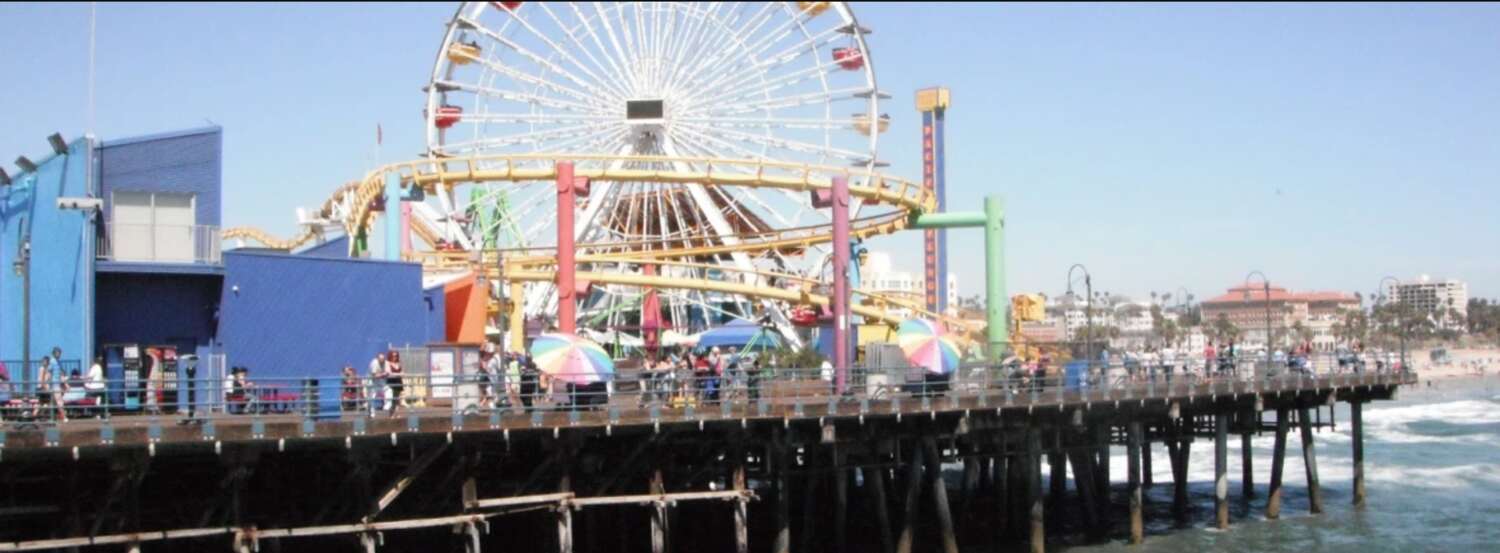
378 134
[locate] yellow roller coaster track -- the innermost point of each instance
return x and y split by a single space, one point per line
871 188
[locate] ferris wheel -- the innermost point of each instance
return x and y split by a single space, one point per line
685 82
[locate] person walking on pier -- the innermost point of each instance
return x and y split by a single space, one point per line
376 383
394 382
351 391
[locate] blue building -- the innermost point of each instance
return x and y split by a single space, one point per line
143 266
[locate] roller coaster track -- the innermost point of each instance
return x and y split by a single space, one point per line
352 206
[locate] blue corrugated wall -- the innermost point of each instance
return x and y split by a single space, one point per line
157 309
62 258
186 161
292 316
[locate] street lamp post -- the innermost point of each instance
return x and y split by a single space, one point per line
1266 286
1088 312
1400 324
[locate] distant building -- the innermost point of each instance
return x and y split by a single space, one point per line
1433 297
878 274
1245 307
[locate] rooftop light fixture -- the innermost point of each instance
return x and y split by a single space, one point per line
58 144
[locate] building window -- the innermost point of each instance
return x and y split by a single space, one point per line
152 226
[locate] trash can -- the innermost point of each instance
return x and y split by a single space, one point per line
1076 375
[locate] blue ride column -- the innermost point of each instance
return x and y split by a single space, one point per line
932 103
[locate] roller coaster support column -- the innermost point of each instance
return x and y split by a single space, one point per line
393 221
568 190
996 301
840 282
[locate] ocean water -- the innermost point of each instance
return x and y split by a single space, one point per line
1432 480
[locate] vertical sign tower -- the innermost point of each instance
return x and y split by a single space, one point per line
933 102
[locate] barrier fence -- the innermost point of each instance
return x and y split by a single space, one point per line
739 389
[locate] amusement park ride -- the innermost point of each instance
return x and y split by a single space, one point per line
677 160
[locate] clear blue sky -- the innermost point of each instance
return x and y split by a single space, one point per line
1160 145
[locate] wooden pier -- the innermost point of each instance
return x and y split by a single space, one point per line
809 474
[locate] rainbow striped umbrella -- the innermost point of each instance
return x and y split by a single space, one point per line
928 345
572 359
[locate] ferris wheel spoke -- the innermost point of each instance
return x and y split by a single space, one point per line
564 53
730 80
536 58
626 80
773 122
717 52
521 97
787 102
758 70
684 44
738 91
614 41
534 118
589 97
529 137
787 143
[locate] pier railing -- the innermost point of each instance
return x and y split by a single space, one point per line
533 399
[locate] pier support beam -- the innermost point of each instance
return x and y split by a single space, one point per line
1133 451
741 506
912 505
1278 459
1145 461
783 542
1179 450
875 482
840 501
939 491
1310 460
1221 471
1357 441
1247 470
1057 484
1083 483
1034 490
1101 439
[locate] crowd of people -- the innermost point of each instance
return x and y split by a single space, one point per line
683 377
58 391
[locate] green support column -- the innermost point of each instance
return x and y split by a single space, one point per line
996 301
997 308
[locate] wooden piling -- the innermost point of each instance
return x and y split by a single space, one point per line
1247 470
783 541
1357 441
875 483
565 516
1145 460
913 495
939 491
1101 439
1310 461
1221 471
1083 483
1133 467
812 484
659 521
1057 483
741 507
840 501
1278 458
1034 487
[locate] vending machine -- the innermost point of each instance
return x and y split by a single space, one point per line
167 377
132 377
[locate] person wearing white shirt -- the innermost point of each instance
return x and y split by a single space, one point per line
93 384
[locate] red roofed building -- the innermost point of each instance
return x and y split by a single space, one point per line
1245 306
